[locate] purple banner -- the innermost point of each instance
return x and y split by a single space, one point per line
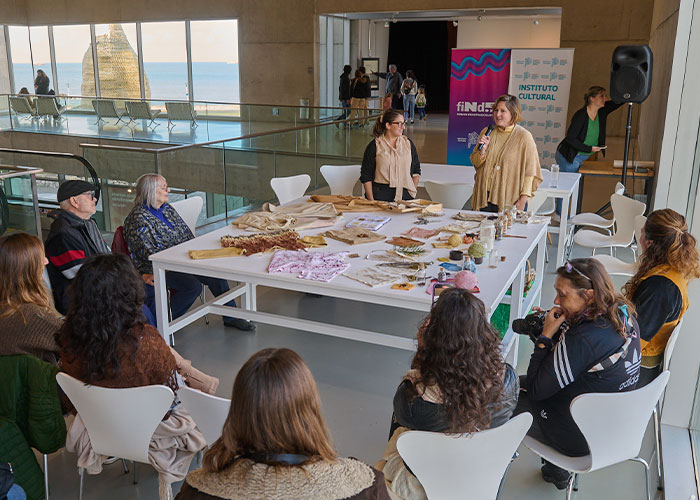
477 78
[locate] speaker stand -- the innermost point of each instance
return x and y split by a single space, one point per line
628 134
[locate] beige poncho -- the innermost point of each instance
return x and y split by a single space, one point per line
510 168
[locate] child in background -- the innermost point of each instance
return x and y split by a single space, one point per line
421 101
386 104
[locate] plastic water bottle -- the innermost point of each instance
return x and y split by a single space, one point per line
554 177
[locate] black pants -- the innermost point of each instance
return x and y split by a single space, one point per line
490 207
647 375
382 192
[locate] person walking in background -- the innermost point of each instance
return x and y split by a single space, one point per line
41 83
393 84
421 102
409 89
386 103
366 88
344 95
357 102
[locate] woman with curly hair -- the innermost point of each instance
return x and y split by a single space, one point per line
275 443
659 288
28 321
589 343
105 342
458 383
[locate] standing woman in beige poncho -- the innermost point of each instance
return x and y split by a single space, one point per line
507 167
390 167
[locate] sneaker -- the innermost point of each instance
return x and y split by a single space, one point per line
556 475
241 324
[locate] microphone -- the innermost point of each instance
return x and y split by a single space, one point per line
488 133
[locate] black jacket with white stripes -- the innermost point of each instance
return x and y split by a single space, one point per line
560 372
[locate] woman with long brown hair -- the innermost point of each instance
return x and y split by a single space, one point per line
659 288
275 444
390 166
458 382
28 321
589 343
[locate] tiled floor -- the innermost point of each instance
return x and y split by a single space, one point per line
357 383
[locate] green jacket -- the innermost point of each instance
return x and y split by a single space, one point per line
30 417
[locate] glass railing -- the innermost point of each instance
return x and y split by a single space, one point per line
172 121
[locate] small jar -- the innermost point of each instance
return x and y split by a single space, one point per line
499 229
487 234
493 258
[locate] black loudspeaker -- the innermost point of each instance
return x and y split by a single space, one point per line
630 73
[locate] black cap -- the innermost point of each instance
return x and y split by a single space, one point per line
73 188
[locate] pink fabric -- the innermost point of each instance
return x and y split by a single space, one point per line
316 266
419 232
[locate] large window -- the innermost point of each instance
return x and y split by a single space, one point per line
41 54
117 60
21 58
215 60
165 59
73 48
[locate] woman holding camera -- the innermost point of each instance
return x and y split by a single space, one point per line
589 343
659 289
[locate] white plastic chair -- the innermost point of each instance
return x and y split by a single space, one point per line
21 107
119 422
141 110
625 210
106 108
181 111
48 106
290 188
208 412
341 178
594 220
451 195
613 265
613 425
189 209
470 466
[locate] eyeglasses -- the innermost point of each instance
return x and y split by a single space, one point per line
90 194
400 124
569 267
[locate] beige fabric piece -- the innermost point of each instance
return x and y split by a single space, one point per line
354 235
306 209
372 276
314 241
398 479
192 376
217 253
344 203
264 221
502 174
174 443
394 166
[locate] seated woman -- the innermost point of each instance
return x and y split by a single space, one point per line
28 321
597 351
458 382
152 226
659 289
275 444
390 166
105 342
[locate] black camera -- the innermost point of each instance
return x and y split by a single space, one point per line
532 325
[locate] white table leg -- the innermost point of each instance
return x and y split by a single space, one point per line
253 301
563 222
516 310
161 293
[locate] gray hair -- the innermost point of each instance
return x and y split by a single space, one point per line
392 66
146 187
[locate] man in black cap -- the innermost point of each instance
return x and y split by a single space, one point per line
73 237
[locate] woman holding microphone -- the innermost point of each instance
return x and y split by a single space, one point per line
506 161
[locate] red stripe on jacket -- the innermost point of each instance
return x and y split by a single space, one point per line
65 258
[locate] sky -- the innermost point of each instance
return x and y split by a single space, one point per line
212 41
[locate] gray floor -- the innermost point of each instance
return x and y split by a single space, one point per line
357 383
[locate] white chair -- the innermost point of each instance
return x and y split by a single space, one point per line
451 195
613 265
470 466
613 425
141 110
208 412
290 188
48 106
181 111
341 179
547 207
21 107
189 209
624 210
106 108
595 220
119 422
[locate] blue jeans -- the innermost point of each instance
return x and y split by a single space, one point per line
346 110
16 493
421 112
568 166
184 290
409 106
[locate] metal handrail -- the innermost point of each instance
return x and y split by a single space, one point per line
52 154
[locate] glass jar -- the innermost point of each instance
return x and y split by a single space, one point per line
487 234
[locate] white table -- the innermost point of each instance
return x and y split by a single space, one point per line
252 271
566 190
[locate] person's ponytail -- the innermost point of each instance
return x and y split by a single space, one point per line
387 117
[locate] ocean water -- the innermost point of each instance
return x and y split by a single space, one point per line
211 81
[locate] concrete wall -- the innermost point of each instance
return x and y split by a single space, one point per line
521 32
